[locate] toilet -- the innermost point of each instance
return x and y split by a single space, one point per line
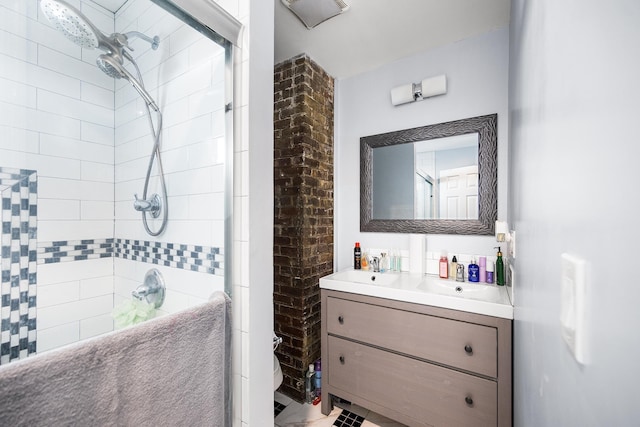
277 372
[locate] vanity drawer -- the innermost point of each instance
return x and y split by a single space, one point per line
427 393
463 345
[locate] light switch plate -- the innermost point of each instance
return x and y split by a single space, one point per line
573 306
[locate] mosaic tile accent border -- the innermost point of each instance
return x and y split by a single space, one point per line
201 259
74 250
18 245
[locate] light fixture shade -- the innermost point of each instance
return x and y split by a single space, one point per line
314 12
434 86
402 94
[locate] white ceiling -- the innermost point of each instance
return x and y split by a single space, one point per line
375 32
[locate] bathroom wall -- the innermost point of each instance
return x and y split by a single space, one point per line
477 75
574 99
56 118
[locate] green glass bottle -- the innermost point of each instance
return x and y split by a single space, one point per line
499 268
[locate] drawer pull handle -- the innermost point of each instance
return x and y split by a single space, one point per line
469 400
468 349
341 360
341 320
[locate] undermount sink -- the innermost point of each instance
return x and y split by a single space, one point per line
480 291
480 298
365 277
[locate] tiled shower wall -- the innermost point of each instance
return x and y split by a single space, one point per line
62 117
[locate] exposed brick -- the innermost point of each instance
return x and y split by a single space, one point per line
303 211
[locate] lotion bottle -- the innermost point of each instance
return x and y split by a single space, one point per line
444 266
490 272
482 263
454 268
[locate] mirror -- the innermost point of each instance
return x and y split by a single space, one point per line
439 179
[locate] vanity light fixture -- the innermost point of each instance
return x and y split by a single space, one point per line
314 12
418 91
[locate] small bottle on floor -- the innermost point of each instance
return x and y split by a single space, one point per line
309 385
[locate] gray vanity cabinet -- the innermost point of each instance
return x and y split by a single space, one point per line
417 364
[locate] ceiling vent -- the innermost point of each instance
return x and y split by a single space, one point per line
314 12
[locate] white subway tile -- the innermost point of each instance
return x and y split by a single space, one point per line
175 160
49 317
18 47
46 166
94 190
58 209
73 230
207 100
204 50
92 210
75 149
17 93
197 130
95 326
73 67
207 153
24 7
80 270
131 170
58 293
96 133
70 107
19 140
208 206
58 336
188 83
92 171
55 188
97 95
96 286
38 121
134 150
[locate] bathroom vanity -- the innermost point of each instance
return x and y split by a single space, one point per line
397 345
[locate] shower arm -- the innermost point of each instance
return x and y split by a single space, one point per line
154 42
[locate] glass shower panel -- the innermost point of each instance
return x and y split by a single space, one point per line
81 142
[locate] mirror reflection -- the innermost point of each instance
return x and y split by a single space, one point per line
432 179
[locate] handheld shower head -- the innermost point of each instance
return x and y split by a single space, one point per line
114 68
72 23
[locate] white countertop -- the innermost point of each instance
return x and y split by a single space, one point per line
480 298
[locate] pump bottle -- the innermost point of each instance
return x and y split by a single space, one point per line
499 268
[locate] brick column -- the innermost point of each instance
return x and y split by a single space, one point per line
303 232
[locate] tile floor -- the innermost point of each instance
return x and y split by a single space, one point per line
289 413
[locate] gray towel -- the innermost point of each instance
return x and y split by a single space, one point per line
170 371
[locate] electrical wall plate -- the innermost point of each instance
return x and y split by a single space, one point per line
573 306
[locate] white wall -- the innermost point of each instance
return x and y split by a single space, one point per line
574 101
56 117
477 72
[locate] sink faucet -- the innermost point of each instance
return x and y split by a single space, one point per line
375 264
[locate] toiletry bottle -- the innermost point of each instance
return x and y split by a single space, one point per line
460 272
482 263
444 266
453 270
364 261
490 272
499 268
309 383
392 260
357 257
384 262
474 272
318 377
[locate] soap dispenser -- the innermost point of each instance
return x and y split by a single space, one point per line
499 268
